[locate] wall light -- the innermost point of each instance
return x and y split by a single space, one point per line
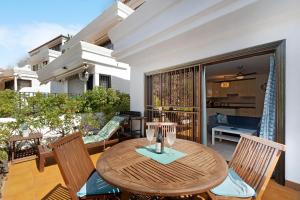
225 84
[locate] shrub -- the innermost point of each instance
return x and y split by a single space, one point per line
9 101
58 112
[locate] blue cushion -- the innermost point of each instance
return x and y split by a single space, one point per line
243 121
234 186
95 185
221 118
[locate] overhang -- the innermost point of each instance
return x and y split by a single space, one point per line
74 60
43 54
8 74
156 22
97 30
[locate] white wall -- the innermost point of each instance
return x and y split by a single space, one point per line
120 77
258 23
75 86
58 87
36 86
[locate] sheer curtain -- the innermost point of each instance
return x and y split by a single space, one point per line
268 121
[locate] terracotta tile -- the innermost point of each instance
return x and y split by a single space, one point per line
26 182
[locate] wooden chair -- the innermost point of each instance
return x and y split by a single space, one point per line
254 160
74 163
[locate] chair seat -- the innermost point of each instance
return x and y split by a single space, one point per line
234 186
92 139
95 185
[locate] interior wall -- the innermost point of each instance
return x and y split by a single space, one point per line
251 88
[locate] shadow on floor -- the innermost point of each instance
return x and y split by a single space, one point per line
51 160
59 192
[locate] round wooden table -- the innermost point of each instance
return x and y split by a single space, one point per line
200 170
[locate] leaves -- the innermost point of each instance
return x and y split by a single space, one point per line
58 111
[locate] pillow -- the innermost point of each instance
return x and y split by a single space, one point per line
234 186
95 185
221 118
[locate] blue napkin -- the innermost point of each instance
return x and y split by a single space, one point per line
169 155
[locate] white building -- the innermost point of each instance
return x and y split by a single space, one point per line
162 36
25 79
87 59
21 79
45 54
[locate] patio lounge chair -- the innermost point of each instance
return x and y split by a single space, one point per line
103 138
250 169
78 171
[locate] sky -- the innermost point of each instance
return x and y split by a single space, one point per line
26 24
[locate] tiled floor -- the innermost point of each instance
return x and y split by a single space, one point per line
24 182
225 148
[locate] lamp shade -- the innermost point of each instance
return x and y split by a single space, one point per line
225 84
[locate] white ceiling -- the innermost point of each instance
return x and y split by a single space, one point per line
258 64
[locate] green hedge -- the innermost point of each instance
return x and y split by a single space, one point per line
40 110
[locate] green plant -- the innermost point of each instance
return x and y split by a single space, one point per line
9 102
89 123
58 112
6 130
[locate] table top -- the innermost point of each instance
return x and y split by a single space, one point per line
15 138
235 129
200 170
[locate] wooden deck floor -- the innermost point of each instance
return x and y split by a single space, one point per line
24 182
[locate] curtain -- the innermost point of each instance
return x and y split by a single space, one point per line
268 121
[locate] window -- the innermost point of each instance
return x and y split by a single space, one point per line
35 67
107 44
24 83
45 62
104 81
89 84
9 85
57 47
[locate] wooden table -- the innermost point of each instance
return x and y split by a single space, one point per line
28 154
200 170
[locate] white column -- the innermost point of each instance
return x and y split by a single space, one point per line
84 86
96 80
66 90
15 83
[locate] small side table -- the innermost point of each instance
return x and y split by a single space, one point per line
26 154
140 130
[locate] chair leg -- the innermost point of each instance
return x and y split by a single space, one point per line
42 162
124 195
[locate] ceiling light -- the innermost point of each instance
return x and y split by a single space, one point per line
240 77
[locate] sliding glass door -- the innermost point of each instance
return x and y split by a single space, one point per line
178 93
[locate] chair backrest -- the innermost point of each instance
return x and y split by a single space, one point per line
111 127
165 126
73 161
254 160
